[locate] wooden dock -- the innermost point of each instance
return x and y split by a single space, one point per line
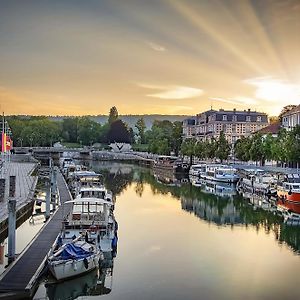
20 279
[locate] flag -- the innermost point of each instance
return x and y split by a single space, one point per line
3 142
9 143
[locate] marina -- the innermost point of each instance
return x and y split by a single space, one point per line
205 199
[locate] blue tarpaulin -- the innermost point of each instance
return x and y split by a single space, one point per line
72 251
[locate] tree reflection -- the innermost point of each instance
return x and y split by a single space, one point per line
222 211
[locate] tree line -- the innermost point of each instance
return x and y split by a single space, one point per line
284 148
164 137
208 149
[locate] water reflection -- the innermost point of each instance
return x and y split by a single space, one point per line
215 203
94 283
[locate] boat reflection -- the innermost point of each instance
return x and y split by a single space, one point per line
94 283
169 177
221 189
218 204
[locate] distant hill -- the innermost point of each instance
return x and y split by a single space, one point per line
132 119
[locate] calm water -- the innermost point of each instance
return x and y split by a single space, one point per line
177 241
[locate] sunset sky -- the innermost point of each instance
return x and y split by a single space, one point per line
80 57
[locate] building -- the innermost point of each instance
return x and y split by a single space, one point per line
272 129
291 118
233 123
188 127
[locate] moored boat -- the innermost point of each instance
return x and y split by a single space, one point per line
172 163
288 191
73 259
257 181
196 170
222 173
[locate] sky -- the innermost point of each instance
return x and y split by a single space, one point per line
74 57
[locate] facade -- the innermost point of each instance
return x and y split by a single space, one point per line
233 123
291 118
188 127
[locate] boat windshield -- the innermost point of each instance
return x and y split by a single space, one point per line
93 194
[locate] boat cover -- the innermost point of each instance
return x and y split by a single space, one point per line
72 251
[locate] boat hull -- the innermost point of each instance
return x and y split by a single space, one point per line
226 179
290 196
71 268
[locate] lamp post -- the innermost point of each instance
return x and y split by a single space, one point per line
21 141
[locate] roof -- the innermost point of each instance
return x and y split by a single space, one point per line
272 128
292 111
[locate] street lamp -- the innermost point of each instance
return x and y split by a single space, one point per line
21 141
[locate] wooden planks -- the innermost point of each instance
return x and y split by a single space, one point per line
23 270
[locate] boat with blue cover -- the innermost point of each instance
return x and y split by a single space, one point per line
74 258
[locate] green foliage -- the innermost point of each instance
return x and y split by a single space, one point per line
113 115
164 137
119 132
34 131
141 127
284 148
222 148
188 148
199 150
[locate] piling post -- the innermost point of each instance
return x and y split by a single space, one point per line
12 219
2 189
53 186
48 188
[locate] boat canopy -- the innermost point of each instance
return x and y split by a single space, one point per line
73 251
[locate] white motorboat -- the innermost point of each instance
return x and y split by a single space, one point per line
73 259
222 173
197 170
258 181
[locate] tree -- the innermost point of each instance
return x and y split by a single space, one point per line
285 110
118 132
70 129
256 149
88 131
267 145
113 115
210 148
199 150
176 137
242 147
140 126
160 137
188 147
222 147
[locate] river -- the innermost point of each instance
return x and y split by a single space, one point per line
177 241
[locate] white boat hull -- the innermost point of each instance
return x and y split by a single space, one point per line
63 269
227 179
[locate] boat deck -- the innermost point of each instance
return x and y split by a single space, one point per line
21 277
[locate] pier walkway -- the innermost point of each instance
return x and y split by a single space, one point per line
25 183
20 279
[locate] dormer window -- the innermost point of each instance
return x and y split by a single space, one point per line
234 118
248 118
224 117
258 119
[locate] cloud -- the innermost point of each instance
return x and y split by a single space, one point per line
172 91
239 100
156 47
275 90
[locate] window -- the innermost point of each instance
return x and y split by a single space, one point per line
224 118
258 119
248 118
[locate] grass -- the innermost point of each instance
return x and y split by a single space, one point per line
140 147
